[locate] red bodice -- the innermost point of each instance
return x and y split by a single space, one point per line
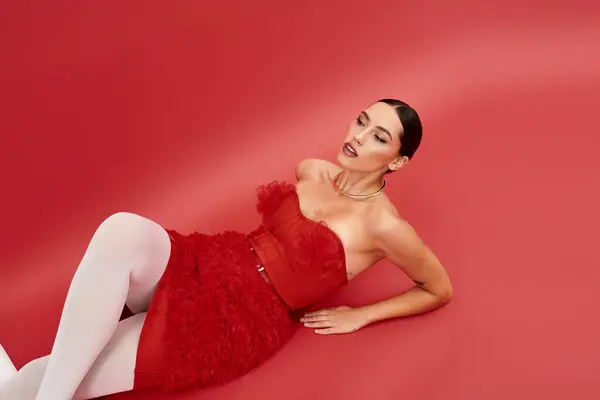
303 259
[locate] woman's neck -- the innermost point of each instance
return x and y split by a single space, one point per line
359 183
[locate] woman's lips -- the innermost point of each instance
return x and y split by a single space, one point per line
349 150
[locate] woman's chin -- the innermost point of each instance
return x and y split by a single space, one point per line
345 160
351 164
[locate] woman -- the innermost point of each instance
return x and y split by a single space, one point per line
209 308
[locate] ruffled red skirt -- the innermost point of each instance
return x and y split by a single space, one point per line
213 317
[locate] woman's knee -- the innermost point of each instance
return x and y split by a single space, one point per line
135 242
125 231
120 222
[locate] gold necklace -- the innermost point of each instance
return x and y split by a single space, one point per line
355 196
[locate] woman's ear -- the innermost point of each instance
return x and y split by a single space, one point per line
400 162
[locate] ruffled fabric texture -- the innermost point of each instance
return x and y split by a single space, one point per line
214 315
310 245
270 196
223 318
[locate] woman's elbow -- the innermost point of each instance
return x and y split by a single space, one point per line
444 294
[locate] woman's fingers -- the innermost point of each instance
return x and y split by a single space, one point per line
318 324
315 318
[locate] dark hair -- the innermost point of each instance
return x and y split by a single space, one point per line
413 130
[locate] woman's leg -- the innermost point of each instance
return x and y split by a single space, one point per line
7 368
112 372
123 262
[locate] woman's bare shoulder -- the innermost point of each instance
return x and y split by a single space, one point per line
316 169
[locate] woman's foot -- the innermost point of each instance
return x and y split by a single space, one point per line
7 368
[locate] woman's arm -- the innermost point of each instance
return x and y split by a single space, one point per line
397 241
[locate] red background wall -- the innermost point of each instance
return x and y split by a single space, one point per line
177 111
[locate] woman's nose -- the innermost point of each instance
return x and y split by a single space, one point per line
358 138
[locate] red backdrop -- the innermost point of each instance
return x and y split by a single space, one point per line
178 110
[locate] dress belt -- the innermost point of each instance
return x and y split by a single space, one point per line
260 267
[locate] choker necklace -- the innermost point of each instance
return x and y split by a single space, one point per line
354 196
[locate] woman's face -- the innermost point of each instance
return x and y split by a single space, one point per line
375 138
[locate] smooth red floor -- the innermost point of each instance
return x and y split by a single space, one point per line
504 189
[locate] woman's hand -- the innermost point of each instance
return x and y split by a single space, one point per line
341 319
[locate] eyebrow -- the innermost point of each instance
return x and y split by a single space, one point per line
378 127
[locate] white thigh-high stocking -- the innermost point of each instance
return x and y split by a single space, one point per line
7 368
124 261
112 372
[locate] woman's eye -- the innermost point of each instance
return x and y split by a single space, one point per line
359 121
379 139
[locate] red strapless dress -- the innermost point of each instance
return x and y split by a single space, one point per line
224 304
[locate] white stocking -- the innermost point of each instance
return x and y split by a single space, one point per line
7 368
112 372
123 263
